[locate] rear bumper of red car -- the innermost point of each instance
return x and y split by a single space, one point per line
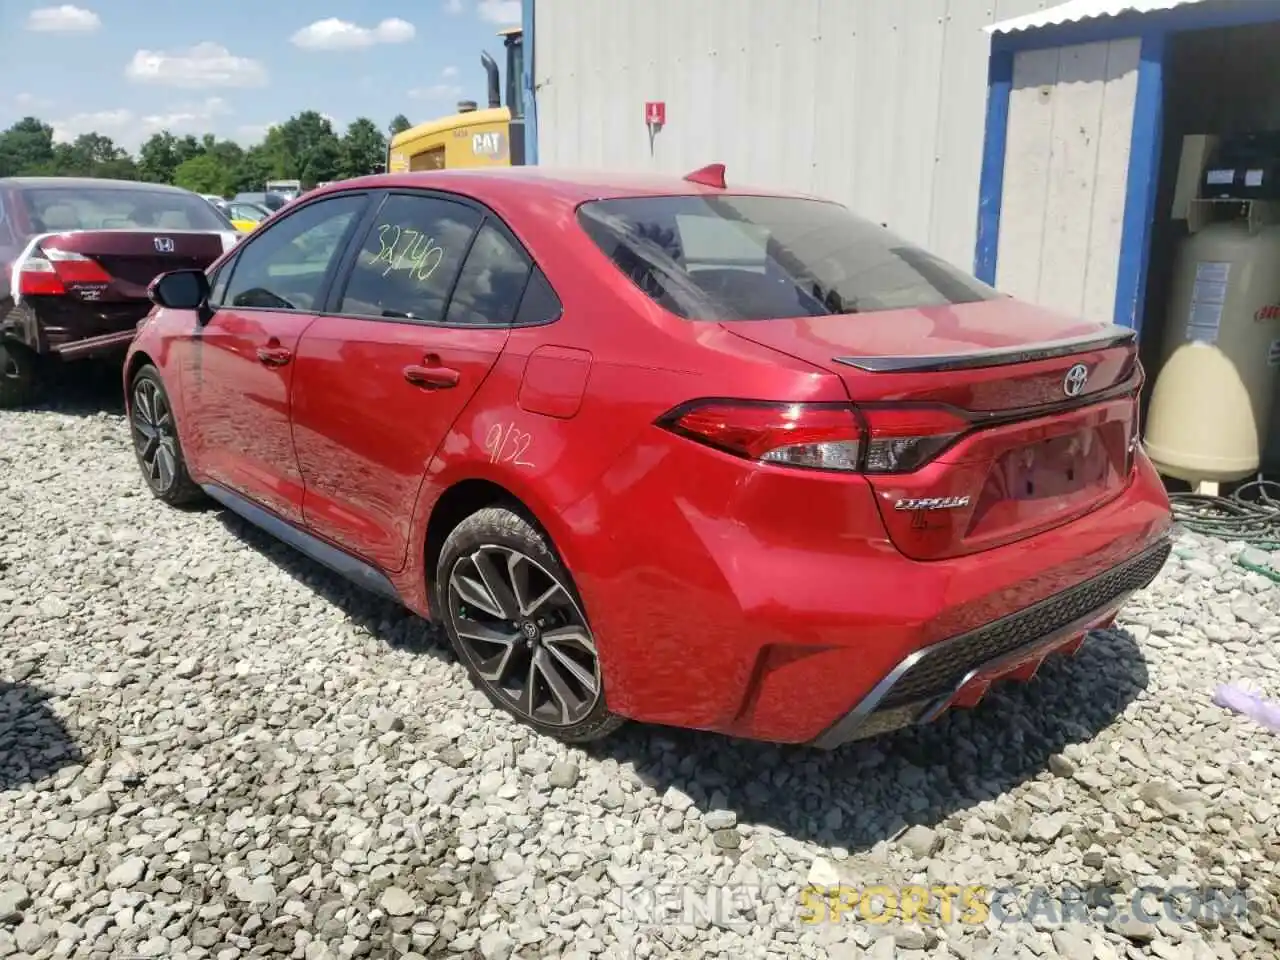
957 672
763 604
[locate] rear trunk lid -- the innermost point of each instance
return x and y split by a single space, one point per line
108 266
1031 416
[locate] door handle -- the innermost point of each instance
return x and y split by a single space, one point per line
275 356
433 378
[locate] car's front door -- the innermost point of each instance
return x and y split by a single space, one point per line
237 379
416 325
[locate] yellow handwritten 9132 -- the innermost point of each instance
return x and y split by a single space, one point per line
402 248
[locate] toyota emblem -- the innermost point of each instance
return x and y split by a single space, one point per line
1073 383
164 244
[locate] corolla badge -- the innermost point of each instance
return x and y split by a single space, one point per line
932 503
1075 380
164 244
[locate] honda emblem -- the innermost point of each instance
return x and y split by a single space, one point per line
164 244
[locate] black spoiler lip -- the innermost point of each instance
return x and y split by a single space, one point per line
1113 335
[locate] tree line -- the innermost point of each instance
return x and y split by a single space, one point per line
305 147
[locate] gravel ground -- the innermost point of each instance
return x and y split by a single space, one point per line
209 747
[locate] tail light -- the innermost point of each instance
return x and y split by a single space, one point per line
879 439
50 272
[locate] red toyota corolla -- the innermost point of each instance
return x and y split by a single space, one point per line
659 449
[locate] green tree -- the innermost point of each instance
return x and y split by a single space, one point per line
25 147
158 158
304 147
399 124
203 174
363 148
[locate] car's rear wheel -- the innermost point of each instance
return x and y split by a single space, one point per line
516 621
18 375
155 440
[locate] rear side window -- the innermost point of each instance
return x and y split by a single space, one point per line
409 259
725 258
491 282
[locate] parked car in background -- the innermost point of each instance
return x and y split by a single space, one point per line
76 256
244 216
272 201
653 448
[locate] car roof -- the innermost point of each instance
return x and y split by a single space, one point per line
87 183
510 187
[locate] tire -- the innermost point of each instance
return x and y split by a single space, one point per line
514 641
19 378
155 441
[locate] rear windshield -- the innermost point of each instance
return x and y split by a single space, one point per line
99 208
755 258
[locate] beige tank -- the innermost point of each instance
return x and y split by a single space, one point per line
1211 404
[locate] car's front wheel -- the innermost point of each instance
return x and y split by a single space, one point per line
516 621
18 378
155 440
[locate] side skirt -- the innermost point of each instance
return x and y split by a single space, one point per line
359 572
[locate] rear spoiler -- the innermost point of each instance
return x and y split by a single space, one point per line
1112 335
229 239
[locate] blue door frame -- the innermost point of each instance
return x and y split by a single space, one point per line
527 81
1145 139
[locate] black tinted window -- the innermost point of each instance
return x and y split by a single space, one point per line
539 303
491 281
284 266
755 258
409 259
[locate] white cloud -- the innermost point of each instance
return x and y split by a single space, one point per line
129 129
505 13
247 134
437 91
204 65
453 6
335 34
63 19
30 101
444 89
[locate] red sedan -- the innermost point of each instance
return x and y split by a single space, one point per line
659 449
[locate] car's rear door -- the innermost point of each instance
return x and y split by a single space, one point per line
239 366
416 324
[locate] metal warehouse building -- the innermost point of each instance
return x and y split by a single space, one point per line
876 103
1057 149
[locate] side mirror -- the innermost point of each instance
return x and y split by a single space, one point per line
180 290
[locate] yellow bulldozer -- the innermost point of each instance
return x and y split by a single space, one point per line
493 137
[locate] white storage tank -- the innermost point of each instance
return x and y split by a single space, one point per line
1212 401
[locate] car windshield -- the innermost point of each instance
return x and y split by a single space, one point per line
756 258
114 208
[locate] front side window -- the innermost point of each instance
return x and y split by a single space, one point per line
492 279
409 259
52 209
284 266
727 258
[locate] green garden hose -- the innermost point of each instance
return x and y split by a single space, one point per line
1250 515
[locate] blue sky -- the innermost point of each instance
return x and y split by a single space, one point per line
127 68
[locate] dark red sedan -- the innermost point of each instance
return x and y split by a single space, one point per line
660 449
76 256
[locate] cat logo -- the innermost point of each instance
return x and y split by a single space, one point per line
488 144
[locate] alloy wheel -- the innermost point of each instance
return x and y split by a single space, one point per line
524 634
153 434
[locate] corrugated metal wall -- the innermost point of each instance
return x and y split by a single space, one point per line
1065 171
879 104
